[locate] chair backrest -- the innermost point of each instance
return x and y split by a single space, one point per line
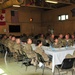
67 63
40 58
69 56
7 49
74 53
24 54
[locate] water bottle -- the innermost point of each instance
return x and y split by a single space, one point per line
66 45
51 47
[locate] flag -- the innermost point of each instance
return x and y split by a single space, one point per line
2 18
14 16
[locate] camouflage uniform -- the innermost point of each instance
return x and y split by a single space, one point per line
73 41
67 42
17 51
11 45
61 41
57 45
69 56
41 52
28 50
51 41
6 42
17 47
3 41
43 40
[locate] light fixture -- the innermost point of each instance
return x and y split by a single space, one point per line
31 19
16 5
50 1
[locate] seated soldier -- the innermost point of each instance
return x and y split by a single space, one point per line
3 39
42 38
60 38
73 38
56 44
42 53
67 41
52 36
8 40
11 44
17 48
29 51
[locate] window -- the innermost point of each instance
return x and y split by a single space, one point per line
62 17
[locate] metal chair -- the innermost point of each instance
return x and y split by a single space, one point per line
67 65
2 49
8 53
74 53
40 59
25 61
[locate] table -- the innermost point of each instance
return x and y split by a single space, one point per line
58 54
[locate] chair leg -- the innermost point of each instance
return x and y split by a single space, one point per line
26 68
54 72
58 71
43 71
36 67
72 72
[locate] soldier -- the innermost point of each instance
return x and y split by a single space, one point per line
47 40
40 50
67 41
73 38
3 39
42 38
60 39
52 39
11 44
7 40
28 49
56 44
17 48
43 54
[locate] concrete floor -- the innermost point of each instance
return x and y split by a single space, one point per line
14 68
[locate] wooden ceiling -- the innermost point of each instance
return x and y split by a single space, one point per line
46 5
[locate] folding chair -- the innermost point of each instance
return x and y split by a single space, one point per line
67 65
40 59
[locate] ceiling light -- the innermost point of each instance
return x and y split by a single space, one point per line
55 2
16 5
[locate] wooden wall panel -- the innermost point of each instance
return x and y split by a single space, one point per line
25 14
64 27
